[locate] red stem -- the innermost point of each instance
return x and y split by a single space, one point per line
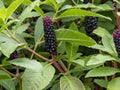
56 64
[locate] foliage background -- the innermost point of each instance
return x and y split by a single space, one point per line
21 30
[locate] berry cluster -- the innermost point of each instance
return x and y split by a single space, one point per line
14 55
116 37
49 35
90 24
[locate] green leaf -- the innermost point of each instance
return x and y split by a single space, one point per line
101 82
27 63
38 29
8 84
71 83
3 12
71 51
13 6
99 59
22 28
74 37
32 80
100 31
6 81
73 26
102 7
56 86
79 12
5 42
4 75
27 12
114 84
7 24
39 10
1 4
108 43
102 71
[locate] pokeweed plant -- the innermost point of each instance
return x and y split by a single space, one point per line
44 45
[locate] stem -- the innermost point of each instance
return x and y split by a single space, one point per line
63 65
7 71
20 82
115 66
36 46
56 64
40 56
74 2
116 13
17 70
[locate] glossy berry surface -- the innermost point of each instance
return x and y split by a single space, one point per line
90 24
116 37
49 35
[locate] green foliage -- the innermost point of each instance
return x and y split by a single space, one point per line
33 80
114 84
75 67
71 83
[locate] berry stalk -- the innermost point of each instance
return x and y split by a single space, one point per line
50 41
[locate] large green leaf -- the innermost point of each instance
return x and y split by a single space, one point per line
8 84
13 6
6 81
99 59
38 29
27 63
74 37
80 12
32 80
102 71
71 83
7 45
114 84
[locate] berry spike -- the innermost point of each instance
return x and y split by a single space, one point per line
90 24
116 37
49 35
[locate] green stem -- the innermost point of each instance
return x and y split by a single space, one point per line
1 67
36 45
74 2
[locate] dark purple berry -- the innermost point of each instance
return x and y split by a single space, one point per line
87 1
14 55
49 35
116 37
90 24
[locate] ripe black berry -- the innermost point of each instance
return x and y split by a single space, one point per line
14 55
49 35
90 24
116 37
87 1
